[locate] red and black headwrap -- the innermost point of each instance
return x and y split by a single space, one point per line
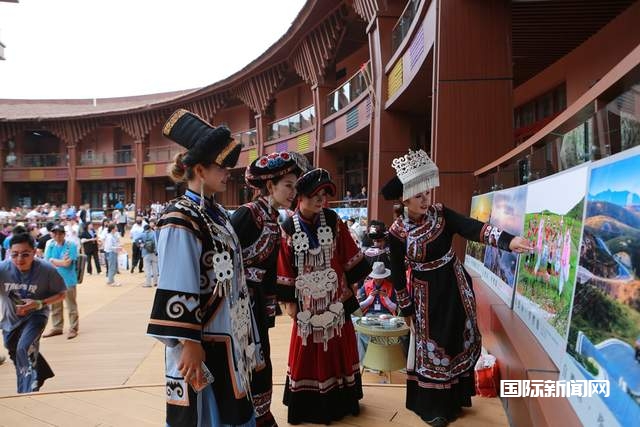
315 180
271 166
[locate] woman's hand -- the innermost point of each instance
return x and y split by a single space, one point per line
520 245
409 321
191 361
291 308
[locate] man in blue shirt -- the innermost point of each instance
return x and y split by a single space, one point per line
27 287
63 253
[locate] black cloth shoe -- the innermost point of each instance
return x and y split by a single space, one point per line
438 422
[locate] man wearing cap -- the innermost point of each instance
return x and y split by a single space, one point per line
376 297
28 286
63 253
379 251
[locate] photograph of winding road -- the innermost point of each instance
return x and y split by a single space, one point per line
605 321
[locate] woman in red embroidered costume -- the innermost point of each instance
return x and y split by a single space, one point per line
256 225
441 308
317 267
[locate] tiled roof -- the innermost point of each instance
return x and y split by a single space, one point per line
34 109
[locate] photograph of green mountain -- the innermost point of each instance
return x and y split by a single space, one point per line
605 320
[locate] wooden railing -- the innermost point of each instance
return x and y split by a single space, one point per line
296 122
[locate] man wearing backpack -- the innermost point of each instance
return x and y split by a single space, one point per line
150 256
63 254
136 244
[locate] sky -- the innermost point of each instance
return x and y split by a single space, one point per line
508 209
621 175
97 48
559 193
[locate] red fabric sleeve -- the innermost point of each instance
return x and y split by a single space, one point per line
355 266
285 284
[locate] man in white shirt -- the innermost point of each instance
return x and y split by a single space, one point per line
111 249
72 232
137 230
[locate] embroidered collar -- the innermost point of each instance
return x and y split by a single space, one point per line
196 197
210 205
270 210
427 218
312 245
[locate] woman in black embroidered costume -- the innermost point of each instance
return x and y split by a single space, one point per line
317 267
438 303
256 224
201 309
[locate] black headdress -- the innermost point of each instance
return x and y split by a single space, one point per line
202 140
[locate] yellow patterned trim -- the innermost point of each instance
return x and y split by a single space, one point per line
166 130
224 153
394 80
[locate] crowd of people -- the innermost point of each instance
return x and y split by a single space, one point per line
221 279
41 268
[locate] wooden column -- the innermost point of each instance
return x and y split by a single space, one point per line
473 93
261 132
73 187
389 132
322 157
3 192
141 188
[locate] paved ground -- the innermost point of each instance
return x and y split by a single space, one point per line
111 374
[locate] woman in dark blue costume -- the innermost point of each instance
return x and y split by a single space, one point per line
274 176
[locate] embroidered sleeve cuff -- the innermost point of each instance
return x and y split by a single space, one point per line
175 314
255 274
490 234
359 270
504 240
404 302
350 306
271 310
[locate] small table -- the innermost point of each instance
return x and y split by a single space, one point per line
384 351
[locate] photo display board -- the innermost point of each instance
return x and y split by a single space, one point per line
604 330
507 213
546 276
480 210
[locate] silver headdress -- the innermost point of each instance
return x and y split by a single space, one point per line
417 172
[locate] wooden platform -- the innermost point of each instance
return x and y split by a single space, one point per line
111 374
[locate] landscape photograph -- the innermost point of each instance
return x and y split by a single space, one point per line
507 213
480 210
604 333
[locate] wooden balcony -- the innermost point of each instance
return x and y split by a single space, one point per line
29 174
411 64
355 116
